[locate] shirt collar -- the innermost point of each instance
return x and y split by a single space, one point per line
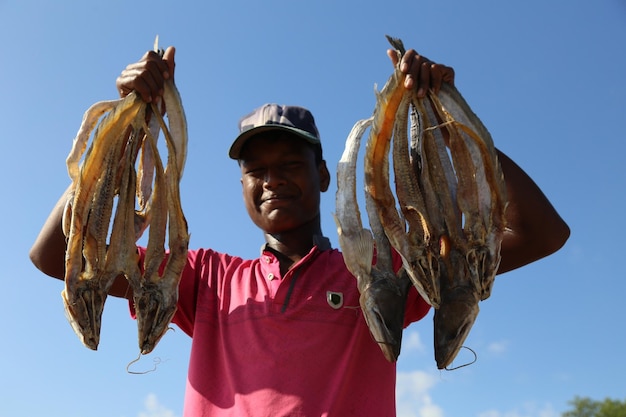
322 243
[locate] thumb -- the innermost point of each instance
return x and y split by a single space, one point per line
393 55
168 57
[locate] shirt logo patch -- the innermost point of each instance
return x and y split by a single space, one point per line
335 299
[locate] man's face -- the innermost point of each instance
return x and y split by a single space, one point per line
281 181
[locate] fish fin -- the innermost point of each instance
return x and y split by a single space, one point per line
365 248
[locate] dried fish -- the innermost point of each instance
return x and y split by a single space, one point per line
156 293
377 178
449 219
86 284
383 294
106 182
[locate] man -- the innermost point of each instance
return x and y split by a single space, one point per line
282 335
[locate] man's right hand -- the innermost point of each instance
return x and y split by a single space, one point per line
147 75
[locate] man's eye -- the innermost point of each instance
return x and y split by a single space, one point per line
254 172
292 165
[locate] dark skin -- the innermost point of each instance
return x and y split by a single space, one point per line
282 182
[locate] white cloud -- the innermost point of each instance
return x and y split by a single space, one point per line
154 409
411 341
498 347
412 395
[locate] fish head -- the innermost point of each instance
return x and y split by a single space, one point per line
453 321
492 264
155 309
383 304
83 309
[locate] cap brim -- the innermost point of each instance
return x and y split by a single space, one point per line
240 141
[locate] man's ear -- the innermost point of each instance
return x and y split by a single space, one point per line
324 176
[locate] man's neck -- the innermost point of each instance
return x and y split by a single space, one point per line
290 247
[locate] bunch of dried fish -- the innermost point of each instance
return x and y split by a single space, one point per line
383 294
120 189
447 224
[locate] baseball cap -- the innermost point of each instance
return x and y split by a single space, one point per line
271 116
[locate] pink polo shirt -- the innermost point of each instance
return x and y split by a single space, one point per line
270 345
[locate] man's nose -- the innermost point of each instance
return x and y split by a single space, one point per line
274 176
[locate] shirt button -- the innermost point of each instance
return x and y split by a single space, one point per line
270 276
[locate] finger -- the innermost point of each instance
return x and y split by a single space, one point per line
408 61
145 76
436 77
168 57
143 81
448 75
424 78
155 64
411 65
153 76
153 72
393 55
142 88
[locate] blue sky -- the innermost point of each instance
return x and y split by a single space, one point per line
545 76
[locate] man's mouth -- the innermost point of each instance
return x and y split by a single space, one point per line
268 197
274 199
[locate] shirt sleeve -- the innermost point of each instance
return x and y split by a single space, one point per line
416 307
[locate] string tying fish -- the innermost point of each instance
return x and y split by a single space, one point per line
466 364
156 362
